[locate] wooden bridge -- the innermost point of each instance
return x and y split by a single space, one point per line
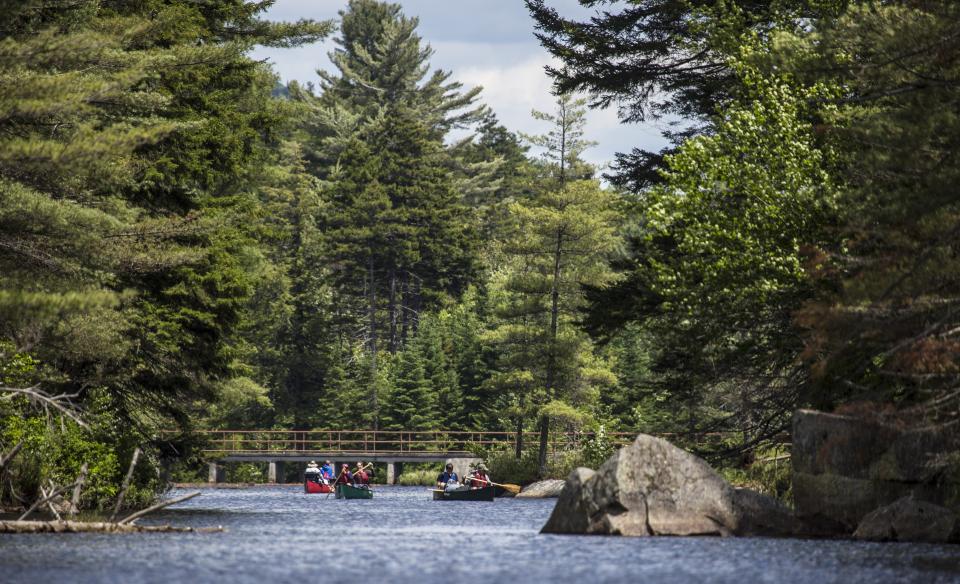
393 447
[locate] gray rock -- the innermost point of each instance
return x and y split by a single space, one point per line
548 489
654 488
845 467
908 519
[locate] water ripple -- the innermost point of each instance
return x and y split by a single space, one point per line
280 534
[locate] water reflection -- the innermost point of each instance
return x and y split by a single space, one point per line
280 534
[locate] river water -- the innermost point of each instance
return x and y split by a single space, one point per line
280 534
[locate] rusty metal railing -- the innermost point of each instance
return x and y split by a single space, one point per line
381 442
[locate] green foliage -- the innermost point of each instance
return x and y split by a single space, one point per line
597 448
419 477
246 472
505 467
55 450
564 142
412 401
769 473
559 242
131 132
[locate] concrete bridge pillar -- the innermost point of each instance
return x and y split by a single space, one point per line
276 472
391 473
216 473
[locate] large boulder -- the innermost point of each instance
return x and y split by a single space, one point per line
844 467
908 519
548 489
654 488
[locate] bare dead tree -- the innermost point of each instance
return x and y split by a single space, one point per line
126 484
75 499
43 500
63 403
5 459
44 493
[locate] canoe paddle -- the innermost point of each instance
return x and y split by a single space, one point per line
507 487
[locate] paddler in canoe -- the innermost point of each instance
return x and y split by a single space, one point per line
448 480
361 478
327 471
345 477
479 478
314 481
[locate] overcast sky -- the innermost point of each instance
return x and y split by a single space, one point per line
482 42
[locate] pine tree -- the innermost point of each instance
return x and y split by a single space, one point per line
561 242
128 249
656 59
412 402
382 62
564 142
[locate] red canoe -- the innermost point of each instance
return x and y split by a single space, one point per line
312 487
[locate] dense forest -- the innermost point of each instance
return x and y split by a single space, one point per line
187 243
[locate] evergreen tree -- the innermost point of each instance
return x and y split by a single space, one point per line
882 325
564 143
128 255
412 401
656 59
382 62
561 242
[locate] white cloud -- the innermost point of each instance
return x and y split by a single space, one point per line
487 43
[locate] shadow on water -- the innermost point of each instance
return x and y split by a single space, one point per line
402 535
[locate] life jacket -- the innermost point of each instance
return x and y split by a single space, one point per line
479 479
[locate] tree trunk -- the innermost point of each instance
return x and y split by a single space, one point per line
563 145
519 450
542 455
393 310
551 352
374 406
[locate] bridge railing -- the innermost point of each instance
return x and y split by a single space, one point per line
372 442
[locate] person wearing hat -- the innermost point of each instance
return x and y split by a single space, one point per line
448 478
313 472
345 477
326 471
479 477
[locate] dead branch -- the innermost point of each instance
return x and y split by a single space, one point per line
5 459
43 500
62 403
126 484
95 527
43 493
156 507
75 499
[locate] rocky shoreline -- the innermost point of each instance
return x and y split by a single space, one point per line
651 487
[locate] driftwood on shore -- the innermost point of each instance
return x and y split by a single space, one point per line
95 527
161 505
125 525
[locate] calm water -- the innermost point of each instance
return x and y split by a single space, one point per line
279 534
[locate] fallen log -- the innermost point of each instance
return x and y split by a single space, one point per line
96 527
161 505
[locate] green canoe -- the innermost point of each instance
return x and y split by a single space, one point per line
351 492
484 494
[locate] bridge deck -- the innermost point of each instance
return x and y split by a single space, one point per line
366 456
